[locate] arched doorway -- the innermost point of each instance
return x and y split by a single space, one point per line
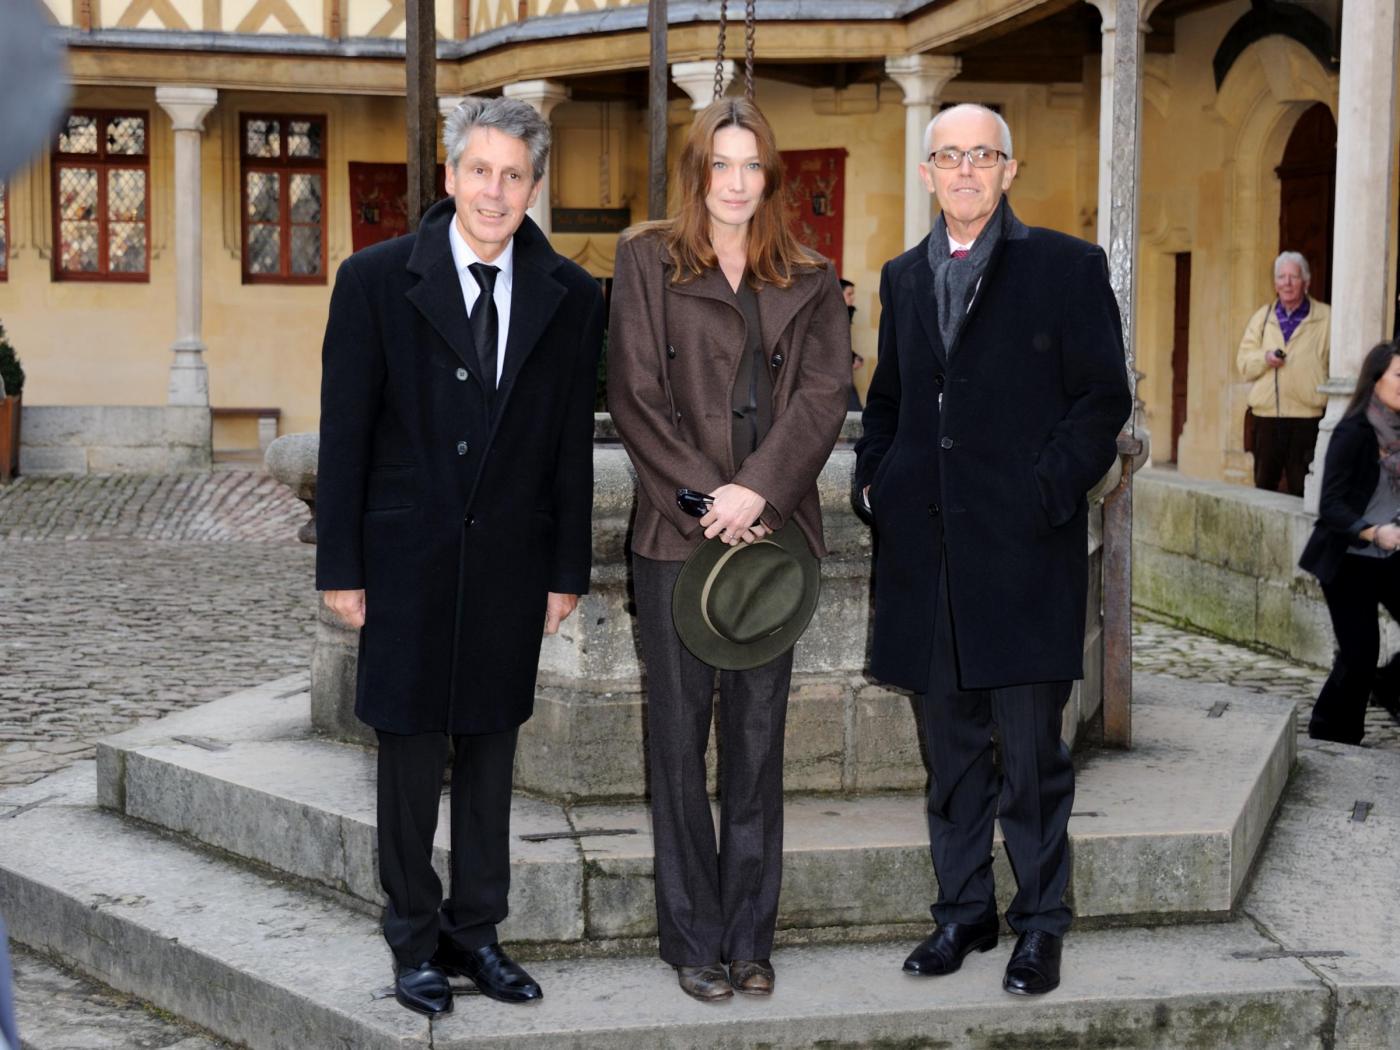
1307 190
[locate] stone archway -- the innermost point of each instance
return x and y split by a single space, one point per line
1269 88
1307 193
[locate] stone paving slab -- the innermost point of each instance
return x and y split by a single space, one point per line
61 1010
263 963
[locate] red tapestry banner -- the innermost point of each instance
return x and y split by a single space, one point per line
816 190
379 202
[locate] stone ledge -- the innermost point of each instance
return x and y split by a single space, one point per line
114 439
271 966
1165 832
1223 558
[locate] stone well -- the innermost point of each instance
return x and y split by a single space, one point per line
845 732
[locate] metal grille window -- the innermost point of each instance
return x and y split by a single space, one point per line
4 231
283 162
101 197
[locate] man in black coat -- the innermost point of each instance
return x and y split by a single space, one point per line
454 500
996 402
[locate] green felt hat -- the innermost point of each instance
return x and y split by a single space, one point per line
739 607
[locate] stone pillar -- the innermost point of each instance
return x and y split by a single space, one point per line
1361 239
543 96
922 78
187 107
1108 11
697 79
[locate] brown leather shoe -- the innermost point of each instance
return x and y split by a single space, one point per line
751 976
709 984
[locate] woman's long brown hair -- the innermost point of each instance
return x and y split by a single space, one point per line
774 253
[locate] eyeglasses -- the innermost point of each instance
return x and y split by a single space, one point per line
979 156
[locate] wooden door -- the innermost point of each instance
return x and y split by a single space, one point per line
1181 351
1307 195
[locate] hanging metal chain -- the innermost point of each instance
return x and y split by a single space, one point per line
719 51
748 48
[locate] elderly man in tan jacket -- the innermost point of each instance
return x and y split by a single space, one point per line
1284 353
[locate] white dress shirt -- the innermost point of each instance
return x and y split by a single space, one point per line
463 257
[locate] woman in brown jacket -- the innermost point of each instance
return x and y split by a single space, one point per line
728 373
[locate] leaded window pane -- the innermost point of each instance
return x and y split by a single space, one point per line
126 247
77 193
264 252
306 250
79 135
263 191
305 194
126 135
263 138
77 246
126 195
303 138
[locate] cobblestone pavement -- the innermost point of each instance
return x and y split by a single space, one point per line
145 612
122 599
1160 648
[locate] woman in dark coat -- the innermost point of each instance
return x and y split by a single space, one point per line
728 369
1352 548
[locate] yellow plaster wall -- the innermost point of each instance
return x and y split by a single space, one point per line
109 343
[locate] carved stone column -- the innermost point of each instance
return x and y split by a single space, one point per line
543 96
187 108
922 78
697 79
1361 238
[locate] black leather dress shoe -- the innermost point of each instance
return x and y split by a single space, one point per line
1034 968
943 950
423 989
495 974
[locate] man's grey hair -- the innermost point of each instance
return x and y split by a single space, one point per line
509 116
964 107
1296 258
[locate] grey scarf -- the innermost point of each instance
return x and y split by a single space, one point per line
1387 427
955 280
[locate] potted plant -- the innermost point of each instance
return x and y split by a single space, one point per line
11 386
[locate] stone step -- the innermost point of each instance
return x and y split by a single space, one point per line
1165 832
260 961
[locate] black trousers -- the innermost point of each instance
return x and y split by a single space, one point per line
711 907
1032 796
1354 598
409 795
1283 451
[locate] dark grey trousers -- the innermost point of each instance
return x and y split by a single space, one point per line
711 907
409 793
1032 796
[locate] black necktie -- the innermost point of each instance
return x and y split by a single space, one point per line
484 324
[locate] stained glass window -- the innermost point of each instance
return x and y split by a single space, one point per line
283 184
101 197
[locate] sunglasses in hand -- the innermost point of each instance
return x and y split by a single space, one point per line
696 504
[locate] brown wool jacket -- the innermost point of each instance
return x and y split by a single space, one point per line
673 354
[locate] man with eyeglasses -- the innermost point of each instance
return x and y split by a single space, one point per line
996 401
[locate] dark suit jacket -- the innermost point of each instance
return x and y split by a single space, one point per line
456 521
986 452
1349 478
673 353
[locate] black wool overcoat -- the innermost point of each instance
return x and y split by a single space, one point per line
456 519
984 452
1349 478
